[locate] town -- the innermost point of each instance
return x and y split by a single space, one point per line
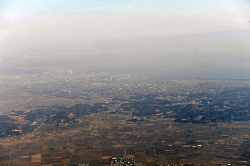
85 119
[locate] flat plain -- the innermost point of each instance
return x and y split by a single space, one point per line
76 119
98 137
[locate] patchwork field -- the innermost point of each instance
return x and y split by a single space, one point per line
98 137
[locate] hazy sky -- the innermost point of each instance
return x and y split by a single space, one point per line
182 38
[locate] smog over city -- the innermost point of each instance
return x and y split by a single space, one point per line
129 83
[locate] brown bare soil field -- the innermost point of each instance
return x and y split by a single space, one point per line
95 139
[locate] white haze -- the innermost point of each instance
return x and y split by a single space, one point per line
193 44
